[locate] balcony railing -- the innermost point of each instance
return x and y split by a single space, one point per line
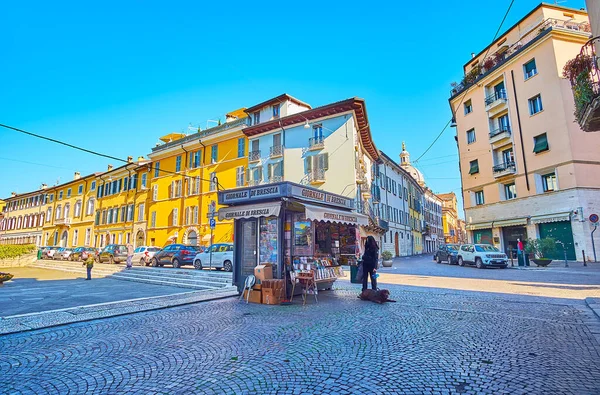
500 130
497 95
584 74
254 156
276 151
253 183
505 167
316 176
315 143
62 221
274 179
582 28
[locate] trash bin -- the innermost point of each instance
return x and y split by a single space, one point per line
353 271
39 254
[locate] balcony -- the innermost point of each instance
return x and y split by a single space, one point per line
502 133
254 156
253 183
63 221
316 176
316 143
504 169
584 75
496 101
274 179
276 151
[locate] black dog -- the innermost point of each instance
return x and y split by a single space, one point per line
377 296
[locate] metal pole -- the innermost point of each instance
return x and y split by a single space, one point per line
583 253
593 245
210 252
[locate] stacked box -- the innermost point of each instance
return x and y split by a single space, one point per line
272 291
255 296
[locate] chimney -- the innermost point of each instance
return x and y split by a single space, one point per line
13 194
130 159
110 167
77 175
140 158
472 55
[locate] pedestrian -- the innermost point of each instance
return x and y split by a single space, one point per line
370 260
520 247
129 255
89 263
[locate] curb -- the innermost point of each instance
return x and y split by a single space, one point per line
48 319
594 305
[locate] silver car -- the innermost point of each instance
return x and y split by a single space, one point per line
222 257
62 254
143 255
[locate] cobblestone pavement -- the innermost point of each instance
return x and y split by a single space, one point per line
432 341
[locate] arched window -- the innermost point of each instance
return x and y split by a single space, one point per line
35 220
90 207
49 214
77 209
58 211
19 222
42 219
67 210
193 238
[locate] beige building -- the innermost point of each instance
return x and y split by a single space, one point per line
449 216
527 169
23 218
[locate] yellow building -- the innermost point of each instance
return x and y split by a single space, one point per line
186 172
121 209
69 212
450 217
22 219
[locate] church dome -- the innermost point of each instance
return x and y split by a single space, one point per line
410 169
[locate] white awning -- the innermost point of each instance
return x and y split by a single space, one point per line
250 211
511 222
481 225
544 219
317 213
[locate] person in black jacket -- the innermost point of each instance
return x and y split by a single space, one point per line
370 262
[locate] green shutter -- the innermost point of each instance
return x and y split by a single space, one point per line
474 167
541 143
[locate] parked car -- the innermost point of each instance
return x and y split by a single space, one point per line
448 253
113 253
62 254
81 253
175 254
481 255
48 252
222 257
143 255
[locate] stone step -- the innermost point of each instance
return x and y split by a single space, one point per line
212 273
166 282
196 280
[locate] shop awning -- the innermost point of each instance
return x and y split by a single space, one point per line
558 217
250 211
481 225
317 213
511 222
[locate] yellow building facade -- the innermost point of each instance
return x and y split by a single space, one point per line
187 172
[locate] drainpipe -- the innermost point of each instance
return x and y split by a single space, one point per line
184 178
512 74
99 210
201 191
127 208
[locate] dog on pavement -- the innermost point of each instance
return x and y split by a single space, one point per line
378 296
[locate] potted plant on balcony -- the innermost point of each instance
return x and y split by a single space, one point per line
541 249
387 258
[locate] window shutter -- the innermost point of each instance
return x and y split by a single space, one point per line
325 161
260 173
270 170
308 164
279 169
126 184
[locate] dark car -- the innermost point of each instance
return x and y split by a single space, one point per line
175 254
113 253
81 253
448 253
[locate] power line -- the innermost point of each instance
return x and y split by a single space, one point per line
33 163
466 90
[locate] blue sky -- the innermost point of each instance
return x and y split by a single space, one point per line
115 76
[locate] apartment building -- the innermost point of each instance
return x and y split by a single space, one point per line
433 231
527 169
22 218
449 217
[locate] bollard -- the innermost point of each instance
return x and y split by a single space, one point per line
566 262
583 253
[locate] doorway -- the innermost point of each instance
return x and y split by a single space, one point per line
63 239
511 234
139 239
397 244
249 243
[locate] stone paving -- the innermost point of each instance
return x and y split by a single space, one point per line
432 341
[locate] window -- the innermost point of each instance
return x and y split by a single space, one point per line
178 163
239 177
479 198
276 111
126 183
175 189
197 185
153 219
175 217
69 193
58 211
88 236
141 209
549 182
318 132
123 213
93 186
213 182
156 169
109 216
75 236
256 116
60 195
90 207
275 172
155 193
241 147
214 153
130 212
474 167
535 105
530 69
80 190
144 180
257 174
77 209
471 136
115 215
277 140
540 143
510 191
186 220
49 214
133 182
195 215
468 107
104 212
508 156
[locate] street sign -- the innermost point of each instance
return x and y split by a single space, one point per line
213 223
594 218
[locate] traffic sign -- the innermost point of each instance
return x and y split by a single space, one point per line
594 218
213 223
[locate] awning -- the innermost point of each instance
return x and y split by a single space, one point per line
558 217
511 222
481 225
250 211
317 213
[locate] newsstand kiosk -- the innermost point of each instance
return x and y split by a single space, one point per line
295 229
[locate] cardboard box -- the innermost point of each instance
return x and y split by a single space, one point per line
271 295
263 272
255 296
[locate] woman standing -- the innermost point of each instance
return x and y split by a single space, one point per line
370 261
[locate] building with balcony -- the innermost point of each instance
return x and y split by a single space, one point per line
291 141
433 231
526 167
22 218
